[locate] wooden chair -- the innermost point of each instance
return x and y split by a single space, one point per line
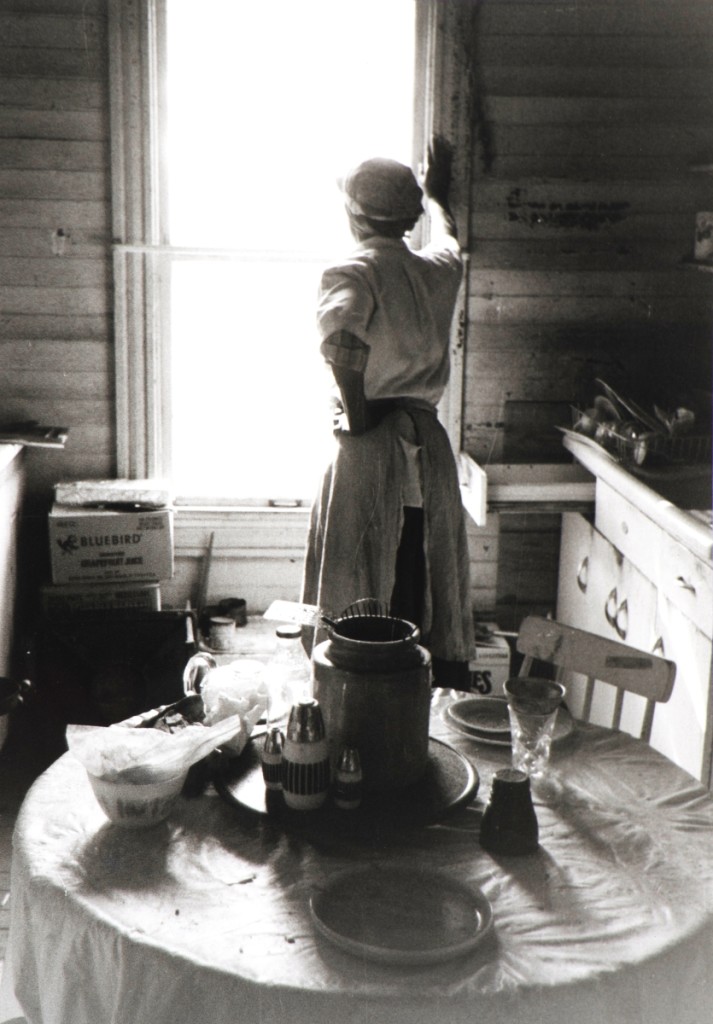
599 660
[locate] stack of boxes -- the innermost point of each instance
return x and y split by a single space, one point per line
111 545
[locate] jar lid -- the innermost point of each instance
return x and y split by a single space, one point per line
511 777
290 631
305 724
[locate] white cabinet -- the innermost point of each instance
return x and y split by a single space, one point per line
602 592
682 727
625 577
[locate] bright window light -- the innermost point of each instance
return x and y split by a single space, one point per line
267 105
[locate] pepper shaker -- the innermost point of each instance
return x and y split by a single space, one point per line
305 758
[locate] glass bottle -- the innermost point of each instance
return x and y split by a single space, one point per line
289 675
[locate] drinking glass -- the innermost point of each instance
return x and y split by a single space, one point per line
532 705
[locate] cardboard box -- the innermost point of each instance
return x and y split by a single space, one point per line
98 545
65 598
490 668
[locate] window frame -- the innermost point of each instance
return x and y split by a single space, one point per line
136 62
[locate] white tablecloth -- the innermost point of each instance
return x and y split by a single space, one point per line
205 918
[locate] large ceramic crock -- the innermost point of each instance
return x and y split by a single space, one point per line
373 682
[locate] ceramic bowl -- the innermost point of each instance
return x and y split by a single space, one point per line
137 805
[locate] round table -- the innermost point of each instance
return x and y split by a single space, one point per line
206 916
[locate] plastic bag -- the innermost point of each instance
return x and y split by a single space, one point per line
121 754
234 689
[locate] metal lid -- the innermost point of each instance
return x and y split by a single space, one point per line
511 777
290 631
349 761
305 724
273 741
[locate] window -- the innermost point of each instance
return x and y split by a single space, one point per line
231 124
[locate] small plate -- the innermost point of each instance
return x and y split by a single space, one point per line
466 721
487 715
400 915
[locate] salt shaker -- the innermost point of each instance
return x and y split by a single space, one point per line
509 824
272 759
305 758
348 780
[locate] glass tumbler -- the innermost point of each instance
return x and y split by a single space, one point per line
532 705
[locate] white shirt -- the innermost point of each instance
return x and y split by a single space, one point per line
400 304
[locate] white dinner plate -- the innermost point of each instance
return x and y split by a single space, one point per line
466 717
401 915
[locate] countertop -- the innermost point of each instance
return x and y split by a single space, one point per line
691 527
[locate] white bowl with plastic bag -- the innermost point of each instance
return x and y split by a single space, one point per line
137 804
137 774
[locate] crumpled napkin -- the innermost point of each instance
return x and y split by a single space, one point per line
119 754
237 688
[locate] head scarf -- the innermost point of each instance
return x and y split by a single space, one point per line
382 189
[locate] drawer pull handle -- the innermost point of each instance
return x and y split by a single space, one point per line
610 608
685 585
621 621
583 574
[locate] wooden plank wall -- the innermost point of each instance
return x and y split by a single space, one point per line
56 345
56 354
590 114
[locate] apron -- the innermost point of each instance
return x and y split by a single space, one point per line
357 519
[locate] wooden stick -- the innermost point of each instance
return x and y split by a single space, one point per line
205 574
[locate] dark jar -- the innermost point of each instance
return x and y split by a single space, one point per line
509 824
373 681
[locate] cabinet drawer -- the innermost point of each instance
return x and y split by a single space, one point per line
574 567
687 581
628 529
599 590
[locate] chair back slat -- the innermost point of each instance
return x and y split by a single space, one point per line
618 705
648 720
597 657
588 695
